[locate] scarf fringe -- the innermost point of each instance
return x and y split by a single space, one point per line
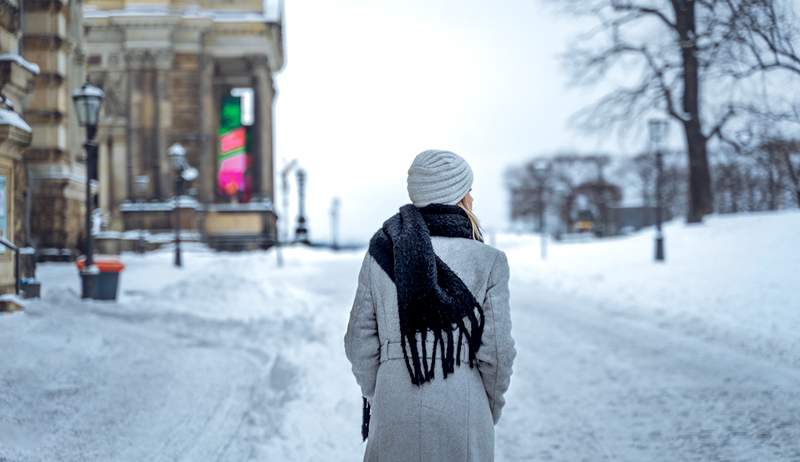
422 366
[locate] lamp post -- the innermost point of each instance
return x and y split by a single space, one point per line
301 231
88 99
658 133
183 174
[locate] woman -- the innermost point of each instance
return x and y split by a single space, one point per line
429 336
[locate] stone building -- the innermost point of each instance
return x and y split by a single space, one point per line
199 73
52 39
16 83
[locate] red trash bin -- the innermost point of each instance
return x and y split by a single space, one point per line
107 281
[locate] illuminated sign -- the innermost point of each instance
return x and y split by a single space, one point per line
233 180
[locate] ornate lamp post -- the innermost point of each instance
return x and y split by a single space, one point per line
301 231
88 99
658 133
183 174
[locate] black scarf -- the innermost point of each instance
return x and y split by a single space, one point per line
431 298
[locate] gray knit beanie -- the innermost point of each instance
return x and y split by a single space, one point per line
438 177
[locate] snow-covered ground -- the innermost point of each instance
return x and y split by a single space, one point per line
736 278
233 358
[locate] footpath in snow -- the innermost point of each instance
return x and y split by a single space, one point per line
233 358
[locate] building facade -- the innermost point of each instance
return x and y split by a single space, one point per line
16 84
55 161
199 73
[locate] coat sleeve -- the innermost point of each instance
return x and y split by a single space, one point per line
496 354
361 342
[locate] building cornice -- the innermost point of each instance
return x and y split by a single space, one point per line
45 5
45 42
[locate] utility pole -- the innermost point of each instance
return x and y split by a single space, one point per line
335 204
283 220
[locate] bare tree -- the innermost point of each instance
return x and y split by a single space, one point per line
770 37
668 51
784 158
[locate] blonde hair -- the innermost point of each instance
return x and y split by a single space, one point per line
477 234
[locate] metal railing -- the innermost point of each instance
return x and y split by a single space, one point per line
10 245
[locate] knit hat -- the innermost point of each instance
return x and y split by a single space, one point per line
438 177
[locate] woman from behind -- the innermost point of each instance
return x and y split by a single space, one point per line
429 335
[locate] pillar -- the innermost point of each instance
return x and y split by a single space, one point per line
208 112
264 95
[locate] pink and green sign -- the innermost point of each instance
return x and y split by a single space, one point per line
233 180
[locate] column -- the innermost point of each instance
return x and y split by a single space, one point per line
208 112
163 122
264 95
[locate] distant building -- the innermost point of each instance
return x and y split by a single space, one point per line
199 73
633 218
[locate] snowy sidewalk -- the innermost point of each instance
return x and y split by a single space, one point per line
204 363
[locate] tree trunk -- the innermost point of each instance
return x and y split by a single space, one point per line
793 175
700 198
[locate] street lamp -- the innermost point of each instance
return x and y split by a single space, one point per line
183 174
88 99
301 231
658 134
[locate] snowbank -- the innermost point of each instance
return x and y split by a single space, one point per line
734 276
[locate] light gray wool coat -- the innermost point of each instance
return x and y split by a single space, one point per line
448 420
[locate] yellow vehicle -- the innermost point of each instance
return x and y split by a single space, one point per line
585 223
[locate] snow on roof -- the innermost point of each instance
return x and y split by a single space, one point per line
8 117
33 68
12 298
273 9
159 206
271 12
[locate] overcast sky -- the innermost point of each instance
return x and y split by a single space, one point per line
368 84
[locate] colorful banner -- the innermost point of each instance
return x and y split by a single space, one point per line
233 180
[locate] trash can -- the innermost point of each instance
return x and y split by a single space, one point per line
107 280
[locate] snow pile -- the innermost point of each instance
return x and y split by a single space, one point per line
229 358
735 277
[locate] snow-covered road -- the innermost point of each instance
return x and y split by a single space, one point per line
234 359
602 386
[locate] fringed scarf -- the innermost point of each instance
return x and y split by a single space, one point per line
431 298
